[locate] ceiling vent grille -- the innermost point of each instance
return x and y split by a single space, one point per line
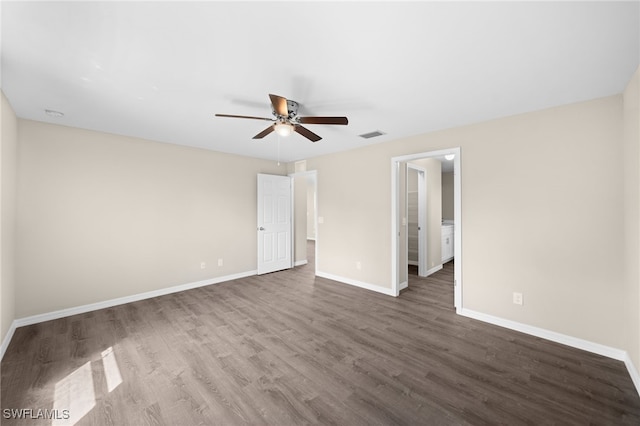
373 134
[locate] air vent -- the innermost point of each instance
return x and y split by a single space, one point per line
373 134
54 114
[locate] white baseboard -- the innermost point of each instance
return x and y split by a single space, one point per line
633 372
574 342
429 272
432 271
403 285
300 262
356 283
7 339
34 319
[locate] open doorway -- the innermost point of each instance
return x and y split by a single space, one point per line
399 220
306 216
312 216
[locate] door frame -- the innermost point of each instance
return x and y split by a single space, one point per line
422 222
396 225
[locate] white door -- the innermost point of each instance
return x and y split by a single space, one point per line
274 223
422 223
417 212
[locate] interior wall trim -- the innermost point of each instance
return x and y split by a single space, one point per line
432 271
585 345
7 339
34 319
356 283
633 371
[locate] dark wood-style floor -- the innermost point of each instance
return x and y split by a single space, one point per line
288 349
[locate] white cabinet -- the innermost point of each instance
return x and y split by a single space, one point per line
447 243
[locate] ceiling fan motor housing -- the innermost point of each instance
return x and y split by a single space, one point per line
292 109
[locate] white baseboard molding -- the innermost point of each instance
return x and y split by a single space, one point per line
429 272
34 319
300 262
432 271
633 371
356 283
574 342
403 285
7 339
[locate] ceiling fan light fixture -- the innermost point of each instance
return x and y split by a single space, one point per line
284 129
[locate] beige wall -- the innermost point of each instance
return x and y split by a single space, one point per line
354 202
447 196
102 216
631 156
547 223
8 165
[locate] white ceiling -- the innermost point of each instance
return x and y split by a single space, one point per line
161 70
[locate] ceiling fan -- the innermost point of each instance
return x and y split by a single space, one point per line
287 120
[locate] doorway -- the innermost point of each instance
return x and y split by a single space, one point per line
306 217
416 208
398 221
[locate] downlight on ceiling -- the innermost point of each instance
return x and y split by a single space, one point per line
53 113
449 157
373 134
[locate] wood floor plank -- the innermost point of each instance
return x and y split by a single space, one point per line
291 348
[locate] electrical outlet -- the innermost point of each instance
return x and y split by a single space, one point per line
517 299
220 262
203 265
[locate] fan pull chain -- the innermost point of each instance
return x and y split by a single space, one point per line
278 150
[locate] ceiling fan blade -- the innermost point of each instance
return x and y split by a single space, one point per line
243 116
264 133
279 105
323 120
306 133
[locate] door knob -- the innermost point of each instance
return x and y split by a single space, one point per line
261 229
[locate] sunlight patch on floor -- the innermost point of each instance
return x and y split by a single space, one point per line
111 370
75 393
